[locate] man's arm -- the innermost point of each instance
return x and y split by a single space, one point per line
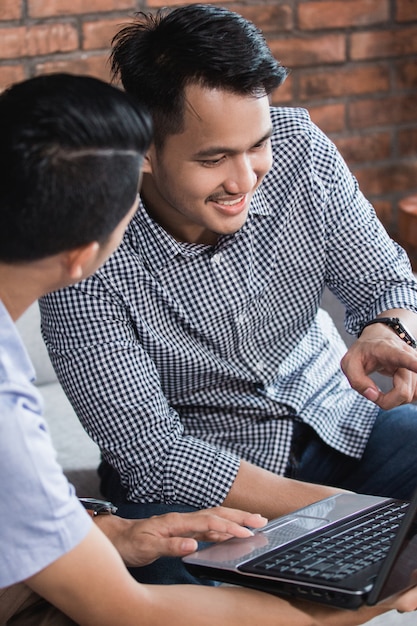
91 585
379 349
257 489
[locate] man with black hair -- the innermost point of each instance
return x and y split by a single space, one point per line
208 372
70 158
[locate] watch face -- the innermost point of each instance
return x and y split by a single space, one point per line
98 507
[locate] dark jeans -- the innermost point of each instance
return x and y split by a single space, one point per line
388 467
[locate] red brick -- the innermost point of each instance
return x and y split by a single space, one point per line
10 74
329 117
98 34
362 148
407 223
35 40
406 10
395 177
385 44
406 74
168 3
284 93
345 81
267 17
407 226
96 65
383 209
49 8
324 49
407 142
342 14
10 10
382 112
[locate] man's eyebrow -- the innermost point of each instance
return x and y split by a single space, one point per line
214 150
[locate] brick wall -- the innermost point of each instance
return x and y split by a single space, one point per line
353 66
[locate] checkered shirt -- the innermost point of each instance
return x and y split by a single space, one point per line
180 359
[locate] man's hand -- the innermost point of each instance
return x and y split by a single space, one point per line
379 349
141 542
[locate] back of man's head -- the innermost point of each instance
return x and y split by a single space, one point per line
70 154
157 56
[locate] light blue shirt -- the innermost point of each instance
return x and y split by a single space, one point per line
40 517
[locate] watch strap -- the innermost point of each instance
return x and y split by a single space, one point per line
397 327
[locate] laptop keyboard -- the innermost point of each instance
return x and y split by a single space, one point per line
338 553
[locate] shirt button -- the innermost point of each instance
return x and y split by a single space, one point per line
259 366
241 319
217 258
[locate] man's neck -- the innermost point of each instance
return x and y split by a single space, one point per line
21 284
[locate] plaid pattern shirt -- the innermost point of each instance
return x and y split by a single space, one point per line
180 359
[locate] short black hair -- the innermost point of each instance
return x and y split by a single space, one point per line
158 55
71 149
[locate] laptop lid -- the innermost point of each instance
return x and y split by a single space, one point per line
399 569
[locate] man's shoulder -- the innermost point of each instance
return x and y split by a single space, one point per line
290 121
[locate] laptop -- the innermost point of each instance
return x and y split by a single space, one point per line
344 551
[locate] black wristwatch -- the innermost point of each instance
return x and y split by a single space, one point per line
98 507
397 326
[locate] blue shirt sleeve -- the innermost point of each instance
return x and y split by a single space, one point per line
40 516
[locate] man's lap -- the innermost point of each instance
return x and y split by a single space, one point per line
388 466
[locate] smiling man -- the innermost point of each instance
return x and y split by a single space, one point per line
206 370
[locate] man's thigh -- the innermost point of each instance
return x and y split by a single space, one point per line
20 606
388 466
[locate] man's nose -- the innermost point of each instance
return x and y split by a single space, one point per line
241 176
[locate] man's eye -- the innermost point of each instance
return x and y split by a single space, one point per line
261 144
211 162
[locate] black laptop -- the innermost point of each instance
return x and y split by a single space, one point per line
345 551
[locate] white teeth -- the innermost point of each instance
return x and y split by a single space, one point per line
230 202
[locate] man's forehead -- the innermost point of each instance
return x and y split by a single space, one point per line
198 98
214 115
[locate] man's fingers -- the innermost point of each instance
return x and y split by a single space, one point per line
242 518
179 546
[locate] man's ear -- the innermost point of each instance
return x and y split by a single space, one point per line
79 260
147 161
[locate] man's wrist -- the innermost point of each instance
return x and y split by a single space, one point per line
397 326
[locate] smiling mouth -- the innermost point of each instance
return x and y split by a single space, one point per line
229 204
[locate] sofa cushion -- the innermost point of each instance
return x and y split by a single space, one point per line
29 328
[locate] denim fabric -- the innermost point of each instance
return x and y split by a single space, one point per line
388 466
